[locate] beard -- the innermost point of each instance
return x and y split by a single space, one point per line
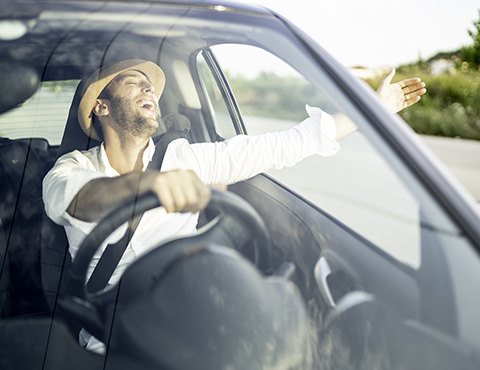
126 116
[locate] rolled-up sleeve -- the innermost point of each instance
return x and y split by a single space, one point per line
62 183
242 156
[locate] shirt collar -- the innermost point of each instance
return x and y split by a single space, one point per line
148 153
146 158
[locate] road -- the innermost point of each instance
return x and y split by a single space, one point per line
461 157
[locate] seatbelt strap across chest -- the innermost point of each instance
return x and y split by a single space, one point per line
113 252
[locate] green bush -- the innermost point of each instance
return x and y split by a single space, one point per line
270 95
471 54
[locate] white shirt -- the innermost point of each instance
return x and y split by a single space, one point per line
223 162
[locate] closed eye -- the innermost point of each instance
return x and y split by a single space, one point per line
130 81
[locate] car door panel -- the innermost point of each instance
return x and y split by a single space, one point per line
353 261
304 234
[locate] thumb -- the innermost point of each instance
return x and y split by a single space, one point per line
389 77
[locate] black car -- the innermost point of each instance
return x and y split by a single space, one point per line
382 245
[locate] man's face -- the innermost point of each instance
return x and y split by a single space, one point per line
133 104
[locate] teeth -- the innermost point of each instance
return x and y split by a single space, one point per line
145 104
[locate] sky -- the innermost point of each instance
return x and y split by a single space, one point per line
372 33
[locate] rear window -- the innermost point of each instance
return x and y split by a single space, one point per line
44 115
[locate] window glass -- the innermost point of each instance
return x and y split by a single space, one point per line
356 186
216 103
44 115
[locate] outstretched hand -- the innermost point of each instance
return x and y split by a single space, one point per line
400 95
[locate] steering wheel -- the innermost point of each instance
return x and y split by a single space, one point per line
237 220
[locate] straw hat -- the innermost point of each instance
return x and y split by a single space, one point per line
101 78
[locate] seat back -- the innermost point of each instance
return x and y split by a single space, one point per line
21 213
55 258
73 136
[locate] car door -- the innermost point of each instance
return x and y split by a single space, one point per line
372 245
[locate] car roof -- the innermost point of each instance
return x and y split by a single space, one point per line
19 8
58 39
230 5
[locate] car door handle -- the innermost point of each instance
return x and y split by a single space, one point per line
322 271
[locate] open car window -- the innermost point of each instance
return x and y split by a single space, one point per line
357 186
365 186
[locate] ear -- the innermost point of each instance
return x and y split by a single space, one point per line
101 108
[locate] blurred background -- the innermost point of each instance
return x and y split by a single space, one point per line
436 40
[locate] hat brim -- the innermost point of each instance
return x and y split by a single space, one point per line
102 77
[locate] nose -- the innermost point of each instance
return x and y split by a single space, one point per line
148 87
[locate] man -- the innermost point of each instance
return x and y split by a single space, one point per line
121 103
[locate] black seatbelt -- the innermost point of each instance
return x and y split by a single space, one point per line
113 252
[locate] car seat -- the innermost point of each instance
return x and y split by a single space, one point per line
33 249
21 214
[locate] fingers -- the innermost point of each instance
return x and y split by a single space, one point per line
415 94
181 191
418 88
409 81
411 101
412 91
400 95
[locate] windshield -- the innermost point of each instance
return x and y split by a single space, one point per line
374 251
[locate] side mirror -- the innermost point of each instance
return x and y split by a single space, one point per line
17 84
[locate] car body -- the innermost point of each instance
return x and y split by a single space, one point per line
385 243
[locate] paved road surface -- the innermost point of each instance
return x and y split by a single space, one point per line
461 157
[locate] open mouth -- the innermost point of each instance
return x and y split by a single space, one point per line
146 104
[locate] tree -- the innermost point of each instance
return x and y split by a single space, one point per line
471 54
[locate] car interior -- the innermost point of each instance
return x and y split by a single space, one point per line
366 308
